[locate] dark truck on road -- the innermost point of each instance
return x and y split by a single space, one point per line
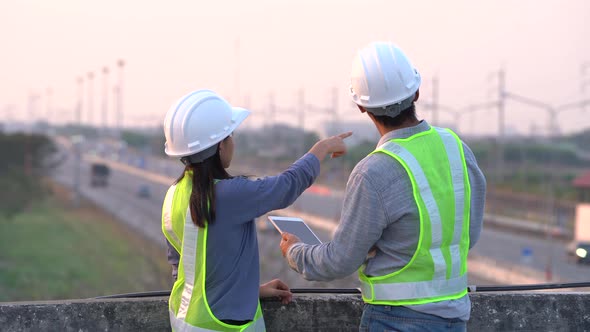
99 175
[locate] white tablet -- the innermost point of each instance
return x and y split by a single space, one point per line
295 226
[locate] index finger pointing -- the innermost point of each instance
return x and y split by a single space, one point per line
345 135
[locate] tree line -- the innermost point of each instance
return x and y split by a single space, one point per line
25 160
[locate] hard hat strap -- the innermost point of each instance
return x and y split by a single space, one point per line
200 156
393 110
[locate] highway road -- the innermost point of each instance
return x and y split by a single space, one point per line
144 214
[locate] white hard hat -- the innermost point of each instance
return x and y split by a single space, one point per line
382 75
198 121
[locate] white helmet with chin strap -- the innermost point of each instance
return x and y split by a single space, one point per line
383 80
197 122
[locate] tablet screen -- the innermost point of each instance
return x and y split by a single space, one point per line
295 226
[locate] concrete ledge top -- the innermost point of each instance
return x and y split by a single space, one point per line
309 312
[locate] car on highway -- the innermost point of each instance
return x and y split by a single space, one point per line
144 191
580 252
99 175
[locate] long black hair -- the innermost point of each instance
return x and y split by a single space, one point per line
202 201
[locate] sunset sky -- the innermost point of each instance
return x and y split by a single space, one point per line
247 49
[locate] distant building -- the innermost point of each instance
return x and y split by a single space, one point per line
14 127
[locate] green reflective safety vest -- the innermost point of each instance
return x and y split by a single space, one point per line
188 306
437 271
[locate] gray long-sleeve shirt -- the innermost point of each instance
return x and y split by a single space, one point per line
379 211
233 269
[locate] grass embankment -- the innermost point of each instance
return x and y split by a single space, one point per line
52 251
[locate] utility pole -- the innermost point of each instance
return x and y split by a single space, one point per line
115 131
501 123
28 158
120 65
32 99
301 124
335 122
334 169
584 82
553 125
551 206
272 128
272 110
77 141
8 113
435 101
49 94
105 98
237 70
90 110
248 124
301 97
78 120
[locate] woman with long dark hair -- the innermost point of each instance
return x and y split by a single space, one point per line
208 216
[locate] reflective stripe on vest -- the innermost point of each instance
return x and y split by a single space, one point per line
188 305
179 325
435 163
167 219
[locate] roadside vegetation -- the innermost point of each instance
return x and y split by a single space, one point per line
50 250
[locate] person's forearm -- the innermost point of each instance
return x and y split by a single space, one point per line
322 262
361 225
280 191
319 150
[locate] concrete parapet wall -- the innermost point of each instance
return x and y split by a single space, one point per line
491 312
